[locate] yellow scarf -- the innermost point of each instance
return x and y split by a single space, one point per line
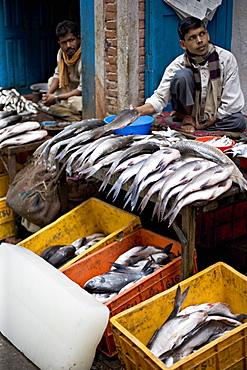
62 68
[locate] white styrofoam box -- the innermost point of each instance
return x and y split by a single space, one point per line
48 317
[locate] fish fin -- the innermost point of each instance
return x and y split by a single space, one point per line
168 248
179 300
241 317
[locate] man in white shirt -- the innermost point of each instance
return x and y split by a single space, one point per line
202 84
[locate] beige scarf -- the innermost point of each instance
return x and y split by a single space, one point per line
62 68
214 86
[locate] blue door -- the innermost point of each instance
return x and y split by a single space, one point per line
162 41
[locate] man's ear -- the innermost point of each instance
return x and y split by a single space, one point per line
182 44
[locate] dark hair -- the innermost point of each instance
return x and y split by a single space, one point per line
66 27
187 24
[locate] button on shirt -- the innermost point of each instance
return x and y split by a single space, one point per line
232 99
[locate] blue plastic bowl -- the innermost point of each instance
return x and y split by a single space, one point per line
141 126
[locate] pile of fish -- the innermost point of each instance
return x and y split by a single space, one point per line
164 162
12 100
58 255
187 330
129 268
220 142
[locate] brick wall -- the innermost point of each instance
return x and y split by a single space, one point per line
111 77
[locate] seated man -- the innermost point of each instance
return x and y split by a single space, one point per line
202 84
65 87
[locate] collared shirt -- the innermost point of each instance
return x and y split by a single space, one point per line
232 98
74 72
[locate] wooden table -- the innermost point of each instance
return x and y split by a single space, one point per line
11 152
187 232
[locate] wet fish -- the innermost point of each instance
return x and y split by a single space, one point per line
205 179
130 161
220 142
183 175
53 153
112 281
135 254
107 160
10 120
107 146
195 339
158 160
7 113
208 194
204 150
147 147
62 255
104 297
27 137
18 128
48 252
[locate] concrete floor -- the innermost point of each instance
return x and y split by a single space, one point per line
12 359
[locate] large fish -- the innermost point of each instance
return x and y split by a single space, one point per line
7 113
204 150
27 137
107 146
208 194
114 280
205 179
183 175
106 161
158 160
10 120
62 255
135 254
147 147
18 128
195 339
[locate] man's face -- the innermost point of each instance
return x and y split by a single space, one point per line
196 41
69 44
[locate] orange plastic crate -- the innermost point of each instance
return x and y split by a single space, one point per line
158 281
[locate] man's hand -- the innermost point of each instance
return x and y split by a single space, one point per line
48 99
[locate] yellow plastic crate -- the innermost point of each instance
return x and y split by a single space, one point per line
4 184
90 217
133 328
7 227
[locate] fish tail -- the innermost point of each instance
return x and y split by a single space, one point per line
127 201
143 204
240 181
179 300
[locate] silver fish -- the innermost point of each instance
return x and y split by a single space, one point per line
104 297
27 137
62 255
208 194
107 146
112 281
195 339
158 160
105 161
124 177
10 120
130 161
148 147
135 254
183 175
53 153
204 150
18 128
205 179
7 113
71 162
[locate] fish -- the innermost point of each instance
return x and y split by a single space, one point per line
68 132
122 119
107 146
183 175
48 252
158 160
62 255
213 154
79 242
148 147
196 338
27 137
237 150
130 161
114 280
220 142
208 194
137 253
217 308
7 113
53 152
9 120
18 128
107 160
104 297
124 177
203 180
